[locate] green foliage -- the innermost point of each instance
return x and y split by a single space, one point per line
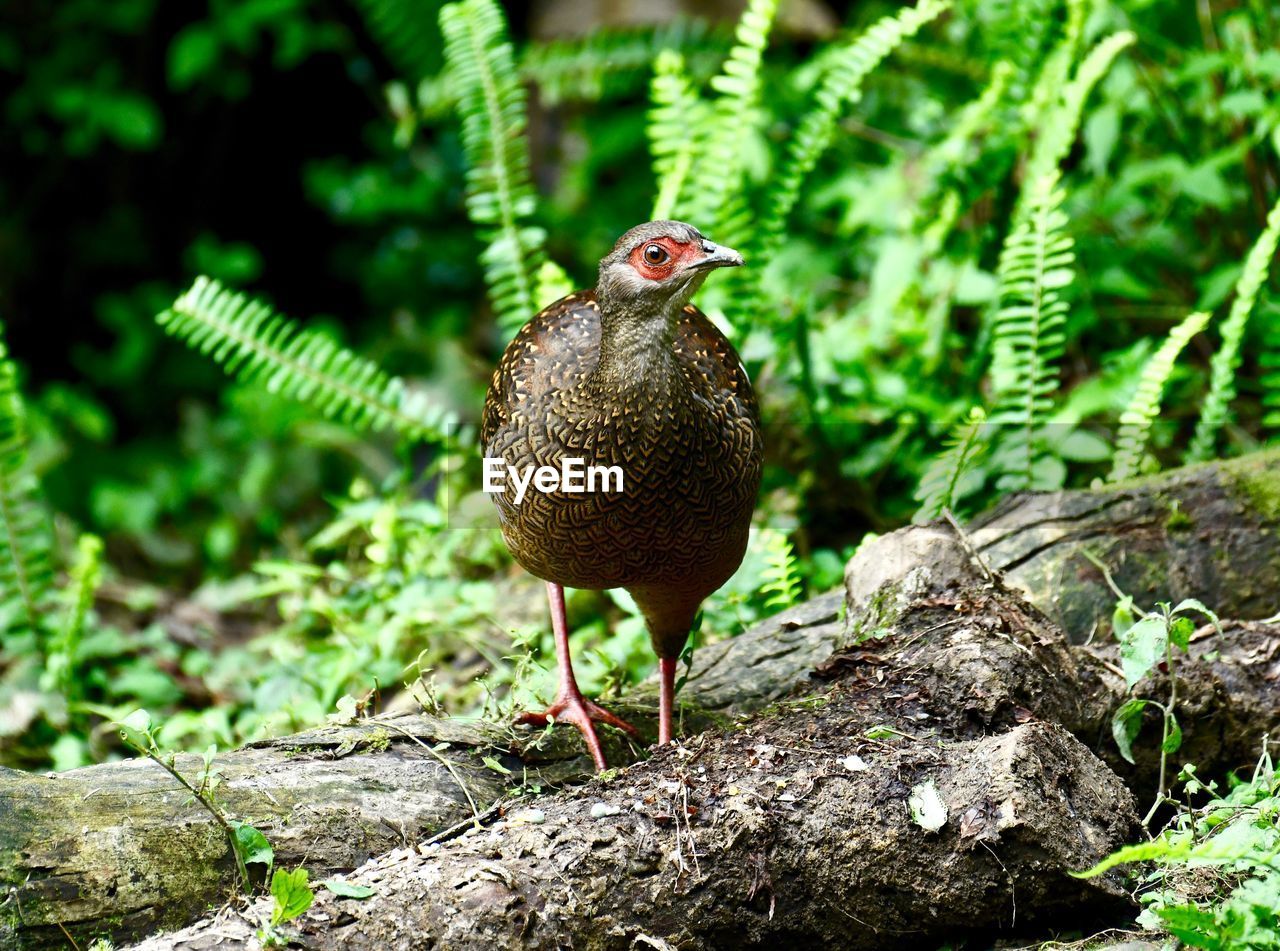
26 555
500 196
780 581
1144 407
407 30
291 893
941 485
1029 336
1147 639
1215 883
677 116
846 68
1269 363
1226 361
260 346
713 193
606 63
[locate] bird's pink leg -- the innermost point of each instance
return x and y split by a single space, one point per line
571 706
666 697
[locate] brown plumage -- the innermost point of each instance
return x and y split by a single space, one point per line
630 375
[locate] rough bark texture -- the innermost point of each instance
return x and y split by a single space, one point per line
962 663
1210 532
796 824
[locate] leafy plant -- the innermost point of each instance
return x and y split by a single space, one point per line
1229 843
941 485
1144 407
1029 338
26 557
247 844
1147 639
1226 361
500 196
260 346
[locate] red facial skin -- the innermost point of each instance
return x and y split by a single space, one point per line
679 253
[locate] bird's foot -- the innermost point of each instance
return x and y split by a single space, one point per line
584 714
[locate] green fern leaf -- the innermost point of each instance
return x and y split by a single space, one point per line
607 63
500 197
407 32
26 555
1270 364
940 486
1035 268
676 115
780 580
839 88
1226 361
1057 133
713 197
258 345
1144 406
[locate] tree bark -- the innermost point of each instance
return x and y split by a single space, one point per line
119 849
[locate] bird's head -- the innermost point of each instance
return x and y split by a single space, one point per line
658 265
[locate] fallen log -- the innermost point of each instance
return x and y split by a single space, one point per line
917 788
118 849
1209 531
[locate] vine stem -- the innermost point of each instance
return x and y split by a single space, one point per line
213 811
1164 733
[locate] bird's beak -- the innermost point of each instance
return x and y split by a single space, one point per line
718 256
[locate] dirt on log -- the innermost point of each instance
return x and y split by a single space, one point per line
960 676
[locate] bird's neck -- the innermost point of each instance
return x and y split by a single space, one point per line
637 349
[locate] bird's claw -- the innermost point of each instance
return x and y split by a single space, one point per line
584 714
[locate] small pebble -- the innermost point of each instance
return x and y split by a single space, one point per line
534 817
854 764
601 809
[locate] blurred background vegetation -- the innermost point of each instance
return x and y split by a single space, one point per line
975 232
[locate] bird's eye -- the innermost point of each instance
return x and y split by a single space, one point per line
655 254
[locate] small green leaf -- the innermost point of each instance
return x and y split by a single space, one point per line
139 721
292 894
1122 618
347 889
252 845
1180 632
1173 741
1191 604
1126 723
494 765
1142 647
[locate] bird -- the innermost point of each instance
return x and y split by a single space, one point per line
632 379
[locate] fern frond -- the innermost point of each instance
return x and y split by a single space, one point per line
1226 361
605 63
939 487
406 31
714 192
675 117
1270 365
780 580
254 343
500 197
1035 267
1058 131
26 555
1144 406
839 88
553 284
60 655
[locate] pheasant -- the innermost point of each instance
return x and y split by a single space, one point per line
632 379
